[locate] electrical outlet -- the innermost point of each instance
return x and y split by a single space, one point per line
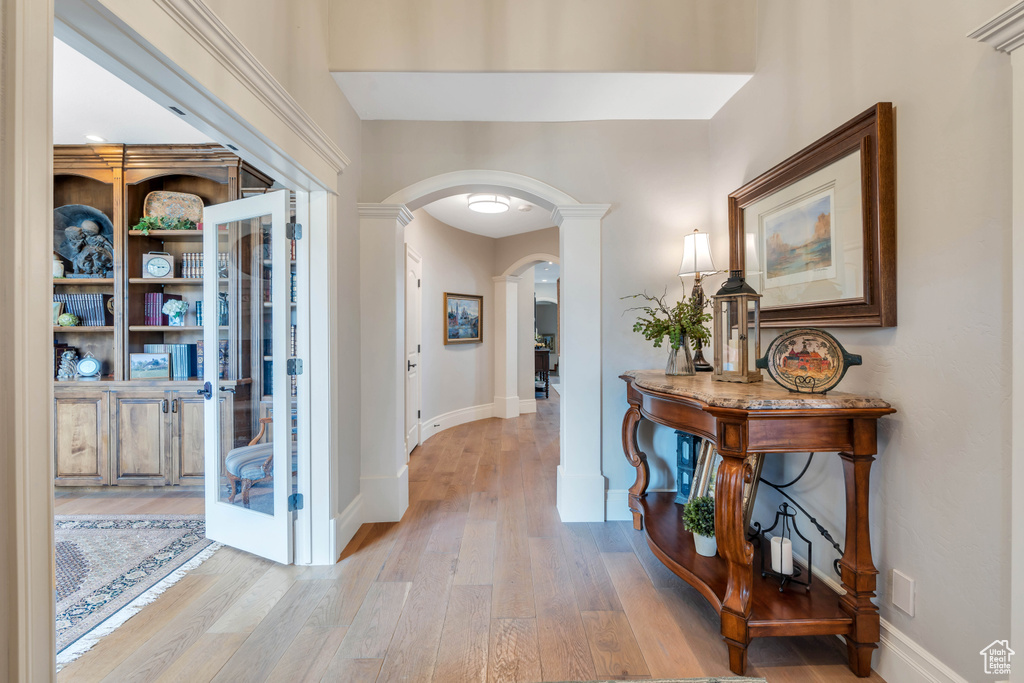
903 591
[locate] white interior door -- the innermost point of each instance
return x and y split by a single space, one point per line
413 341
248 325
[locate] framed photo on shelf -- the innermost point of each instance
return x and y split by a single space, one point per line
58 308
464 319
705 476
149 366
816 234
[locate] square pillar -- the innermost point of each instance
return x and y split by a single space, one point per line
506 346
384 475
581 486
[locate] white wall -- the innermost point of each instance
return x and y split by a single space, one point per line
509 250
542 35
455 376
654 174
940 492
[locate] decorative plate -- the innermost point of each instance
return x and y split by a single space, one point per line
95 231
89 367
174 205
807 360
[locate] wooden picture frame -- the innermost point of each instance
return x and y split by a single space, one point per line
152 366
706 470
844 273
463 319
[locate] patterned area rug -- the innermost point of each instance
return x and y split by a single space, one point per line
110 566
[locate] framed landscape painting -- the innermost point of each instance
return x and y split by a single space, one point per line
464 316
816 234
149 366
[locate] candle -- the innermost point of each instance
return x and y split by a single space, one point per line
782 555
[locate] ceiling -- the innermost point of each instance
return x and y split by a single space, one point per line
455 212
536 96
88 100
546 273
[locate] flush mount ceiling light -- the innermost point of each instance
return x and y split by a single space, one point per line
95 138
488 202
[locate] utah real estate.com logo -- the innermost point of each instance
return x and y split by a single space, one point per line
997 658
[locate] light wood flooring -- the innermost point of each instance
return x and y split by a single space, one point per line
480 581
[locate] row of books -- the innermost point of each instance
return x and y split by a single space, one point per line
154 307
222 310
184 359
268 287
268 247
92 309
192 265
268 365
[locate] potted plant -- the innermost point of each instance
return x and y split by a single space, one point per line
683 323
699 519
175 312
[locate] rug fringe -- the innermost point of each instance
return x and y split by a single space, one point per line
89 640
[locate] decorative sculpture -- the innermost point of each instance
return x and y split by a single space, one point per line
68 366
83 236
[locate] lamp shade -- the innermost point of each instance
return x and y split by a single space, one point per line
488 202
696 254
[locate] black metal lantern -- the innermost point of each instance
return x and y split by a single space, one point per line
737 330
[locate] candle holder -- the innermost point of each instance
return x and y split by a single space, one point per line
780 550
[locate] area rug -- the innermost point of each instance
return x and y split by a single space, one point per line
713 679
109 567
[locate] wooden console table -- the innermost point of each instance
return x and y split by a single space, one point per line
759 418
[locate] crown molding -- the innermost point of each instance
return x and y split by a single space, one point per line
206 27
1005 31
395 212
592 211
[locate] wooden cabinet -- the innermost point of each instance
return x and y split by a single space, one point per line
129 434
139 431
80 437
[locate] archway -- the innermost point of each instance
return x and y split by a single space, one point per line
384 480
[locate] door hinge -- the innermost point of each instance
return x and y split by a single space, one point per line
294 502
294 366
293 231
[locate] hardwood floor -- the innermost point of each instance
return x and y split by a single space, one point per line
480 581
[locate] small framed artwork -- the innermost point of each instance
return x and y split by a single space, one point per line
58 308
464 319
705 477
816 234
149 366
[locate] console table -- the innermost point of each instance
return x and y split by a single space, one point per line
759 418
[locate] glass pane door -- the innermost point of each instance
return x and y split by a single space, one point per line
247 319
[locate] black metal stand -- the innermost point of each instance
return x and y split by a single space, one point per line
700 364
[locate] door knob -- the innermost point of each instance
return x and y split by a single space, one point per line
206 392
411 365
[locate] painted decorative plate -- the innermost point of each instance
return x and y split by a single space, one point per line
807 360
174 205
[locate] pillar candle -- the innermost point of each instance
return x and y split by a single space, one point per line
782 555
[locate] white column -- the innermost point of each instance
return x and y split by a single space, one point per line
384 475
581 486
506 346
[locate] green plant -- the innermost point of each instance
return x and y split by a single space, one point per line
659 320
699 516
147 223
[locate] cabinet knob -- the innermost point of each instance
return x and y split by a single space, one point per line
163 405
174 405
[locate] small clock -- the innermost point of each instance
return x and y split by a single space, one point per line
89 368
157 264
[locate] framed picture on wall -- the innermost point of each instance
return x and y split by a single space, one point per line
816 234
464 319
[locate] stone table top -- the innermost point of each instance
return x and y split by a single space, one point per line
766 395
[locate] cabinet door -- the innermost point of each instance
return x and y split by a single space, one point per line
187 435
80 438
139 433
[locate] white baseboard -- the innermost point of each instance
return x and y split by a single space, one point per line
527 405
345 525
384 499
617 504
580 497
505 407
455 418
898 658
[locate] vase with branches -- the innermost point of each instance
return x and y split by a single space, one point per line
684 323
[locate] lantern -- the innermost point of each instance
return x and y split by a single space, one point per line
737 330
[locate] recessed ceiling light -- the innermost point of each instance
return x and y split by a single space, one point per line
550 262
95 138
543 280
488 202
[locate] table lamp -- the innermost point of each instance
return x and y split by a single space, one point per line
697 261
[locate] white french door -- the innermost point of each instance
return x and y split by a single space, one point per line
249 343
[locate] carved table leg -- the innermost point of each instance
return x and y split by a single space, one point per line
733 473
636 458
858 570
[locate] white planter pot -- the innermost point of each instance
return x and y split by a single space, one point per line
706 545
